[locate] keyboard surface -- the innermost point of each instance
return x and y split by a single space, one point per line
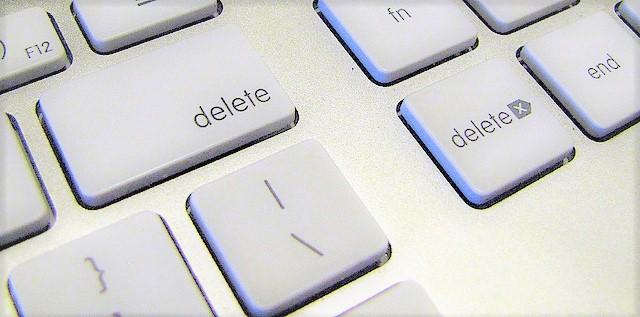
565 244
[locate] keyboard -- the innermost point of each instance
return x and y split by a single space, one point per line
319 158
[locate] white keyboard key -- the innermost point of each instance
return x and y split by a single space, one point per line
406 298
630 11
180 106
591 67
30 48
395 39
287 228
506 16
24 210
120 270
114 24
490 136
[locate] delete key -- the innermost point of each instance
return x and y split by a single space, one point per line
491 137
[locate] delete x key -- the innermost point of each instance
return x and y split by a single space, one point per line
491 137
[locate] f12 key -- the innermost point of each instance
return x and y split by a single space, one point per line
30 48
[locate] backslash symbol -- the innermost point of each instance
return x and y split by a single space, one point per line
520 108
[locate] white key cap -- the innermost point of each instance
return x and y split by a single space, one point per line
24 210
179 106
114 24
395 39
30 48
120 270
506 16
406 298
287 228
592 68
630 12
490 136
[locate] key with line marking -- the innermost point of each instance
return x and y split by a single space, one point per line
287 237
110 25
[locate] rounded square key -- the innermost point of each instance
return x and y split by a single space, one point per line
490 136
191 114
130 268
395 39
591 67
287 229
24 210
112 25
507 16
30 48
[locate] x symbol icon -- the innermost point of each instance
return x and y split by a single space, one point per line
520 109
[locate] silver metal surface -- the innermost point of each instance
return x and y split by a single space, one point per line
567 244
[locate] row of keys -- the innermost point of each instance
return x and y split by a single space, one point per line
210 122
29 53
494 137
309 231
394 42
117 137
31 46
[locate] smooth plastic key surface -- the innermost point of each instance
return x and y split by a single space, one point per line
395 39
30 48
24 209
130 268
591 67
630 12
114 24
405 298
504 16
179 106
287 228
489 136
